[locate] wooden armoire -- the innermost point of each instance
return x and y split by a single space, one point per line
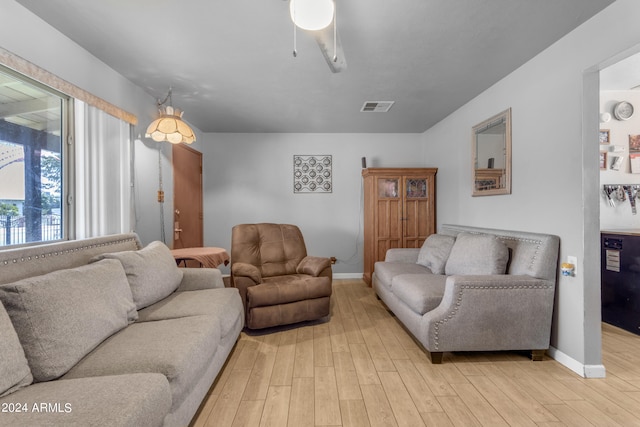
399 211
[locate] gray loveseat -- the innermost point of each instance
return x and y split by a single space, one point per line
103 332
473 289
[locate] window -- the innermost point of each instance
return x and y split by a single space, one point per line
33 127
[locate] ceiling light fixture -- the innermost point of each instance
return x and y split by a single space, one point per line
316 17
312 15
170 126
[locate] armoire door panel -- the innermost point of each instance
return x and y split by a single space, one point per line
413 243
381 223
394 219
417 219
387 218
424 226
412 219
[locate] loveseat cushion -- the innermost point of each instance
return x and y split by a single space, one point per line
477 254
435 252
152 272
224 303
139 400
421 292
61 316
386 271
14 369
181 349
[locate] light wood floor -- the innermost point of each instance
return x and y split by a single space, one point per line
362 369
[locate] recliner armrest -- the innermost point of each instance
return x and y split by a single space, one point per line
313 265
243 269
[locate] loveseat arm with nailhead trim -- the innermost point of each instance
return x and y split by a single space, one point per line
490 313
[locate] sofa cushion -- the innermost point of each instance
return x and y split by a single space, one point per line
61 316
435 252
181 349
14 369
477 254
421 292
386 271
195 279
152 272
224 303
137 400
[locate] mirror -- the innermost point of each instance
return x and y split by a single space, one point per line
491 146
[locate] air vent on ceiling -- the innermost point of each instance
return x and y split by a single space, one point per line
376 106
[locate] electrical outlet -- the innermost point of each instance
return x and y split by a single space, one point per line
573 260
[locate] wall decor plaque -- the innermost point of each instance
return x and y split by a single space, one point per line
312 174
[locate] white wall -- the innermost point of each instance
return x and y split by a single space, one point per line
620 216
44 46
554 104
249 178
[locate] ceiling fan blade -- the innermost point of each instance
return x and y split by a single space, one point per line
335 60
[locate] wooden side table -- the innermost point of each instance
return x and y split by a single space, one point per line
208 257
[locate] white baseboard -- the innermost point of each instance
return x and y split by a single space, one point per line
585 371
595 371
347 275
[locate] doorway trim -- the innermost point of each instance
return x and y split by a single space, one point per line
593 366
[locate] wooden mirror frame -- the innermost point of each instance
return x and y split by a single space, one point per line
490 181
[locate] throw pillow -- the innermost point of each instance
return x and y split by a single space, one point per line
477 254
61 316
152 272
435 252
14 369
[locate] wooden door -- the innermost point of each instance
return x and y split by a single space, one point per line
187 197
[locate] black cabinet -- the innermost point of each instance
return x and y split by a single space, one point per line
620 280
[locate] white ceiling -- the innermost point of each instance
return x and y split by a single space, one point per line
622 75
231 66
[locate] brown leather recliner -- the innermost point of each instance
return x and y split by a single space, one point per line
279 284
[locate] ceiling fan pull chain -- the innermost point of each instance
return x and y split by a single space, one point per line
295 33
335 31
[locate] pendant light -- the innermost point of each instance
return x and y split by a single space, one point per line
170 126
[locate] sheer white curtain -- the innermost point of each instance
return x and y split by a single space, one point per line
102 173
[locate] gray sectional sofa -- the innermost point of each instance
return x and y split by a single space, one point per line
473 289
103 332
